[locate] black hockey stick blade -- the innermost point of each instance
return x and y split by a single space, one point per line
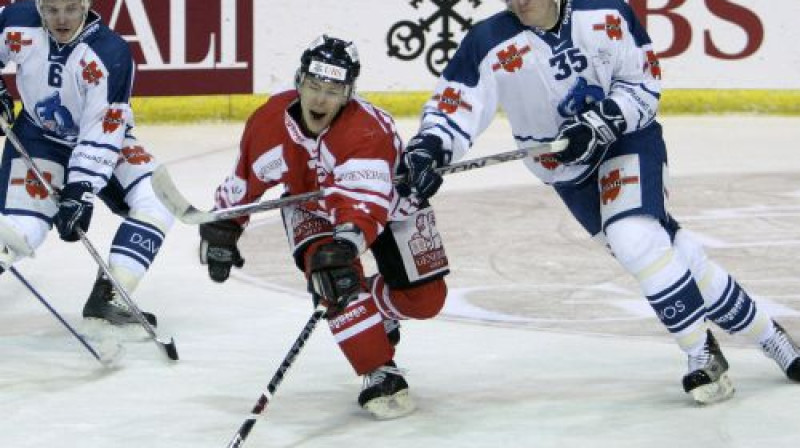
170 349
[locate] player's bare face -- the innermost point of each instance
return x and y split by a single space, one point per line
536 13
320 102
63 18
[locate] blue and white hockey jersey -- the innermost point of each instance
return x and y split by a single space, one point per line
539 78
77 93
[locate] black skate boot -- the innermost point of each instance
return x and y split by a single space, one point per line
707 380
104 304
784 351
385 393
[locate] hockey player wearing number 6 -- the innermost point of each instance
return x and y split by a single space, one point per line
75 78
320 135
585 71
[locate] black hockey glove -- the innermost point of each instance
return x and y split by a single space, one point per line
590 133
6 105
334 276
218 248
74 210
423 153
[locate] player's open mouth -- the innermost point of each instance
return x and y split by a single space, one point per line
316 116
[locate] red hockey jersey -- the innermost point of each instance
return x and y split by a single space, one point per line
353 161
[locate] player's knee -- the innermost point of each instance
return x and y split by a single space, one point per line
692 251
637 241
422 301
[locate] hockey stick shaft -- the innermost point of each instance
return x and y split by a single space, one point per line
170 196
261 405
168 347
55 313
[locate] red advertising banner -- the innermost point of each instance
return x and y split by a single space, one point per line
185 47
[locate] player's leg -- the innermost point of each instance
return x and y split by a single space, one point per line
26 208
732 309
629 208
138 238
410 285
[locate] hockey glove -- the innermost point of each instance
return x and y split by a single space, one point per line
74 210
334 276
423 154
218 248
590 133
6 105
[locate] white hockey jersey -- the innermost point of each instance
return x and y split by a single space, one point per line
77 93
540 78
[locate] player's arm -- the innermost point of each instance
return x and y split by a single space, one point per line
462 107
218 240
105 118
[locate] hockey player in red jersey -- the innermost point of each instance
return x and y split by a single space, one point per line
319 135
585 71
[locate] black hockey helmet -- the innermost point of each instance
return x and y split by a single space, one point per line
330 60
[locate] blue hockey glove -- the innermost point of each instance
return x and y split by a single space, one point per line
422 155
334 278
6 105
74 210
218 248
590 133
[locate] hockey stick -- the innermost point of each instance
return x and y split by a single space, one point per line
171 197
168 347
107 359
277 378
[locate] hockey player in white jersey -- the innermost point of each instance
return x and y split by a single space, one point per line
75 79
585 71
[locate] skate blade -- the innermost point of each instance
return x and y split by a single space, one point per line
711 393
395 406
103 338
124 333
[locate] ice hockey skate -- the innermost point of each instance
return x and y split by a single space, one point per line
784 351
385 393
105 307
707 380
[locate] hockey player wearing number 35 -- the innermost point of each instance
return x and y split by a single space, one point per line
585 71
75 77
319 135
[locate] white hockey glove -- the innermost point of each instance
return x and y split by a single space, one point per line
590 133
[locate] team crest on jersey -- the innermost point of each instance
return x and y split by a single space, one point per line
91 72
611 185
135 155
612 27
450 101
33 187
112 120
510 59
548 161
15 42
653 64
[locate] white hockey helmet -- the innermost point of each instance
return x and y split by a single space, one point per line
86 5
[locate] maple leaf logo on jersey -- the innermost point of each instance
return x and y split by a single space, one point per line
653 64
135 155
15 42
450 100
91 73
612 27
112 120
510 59
611 185
33 187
